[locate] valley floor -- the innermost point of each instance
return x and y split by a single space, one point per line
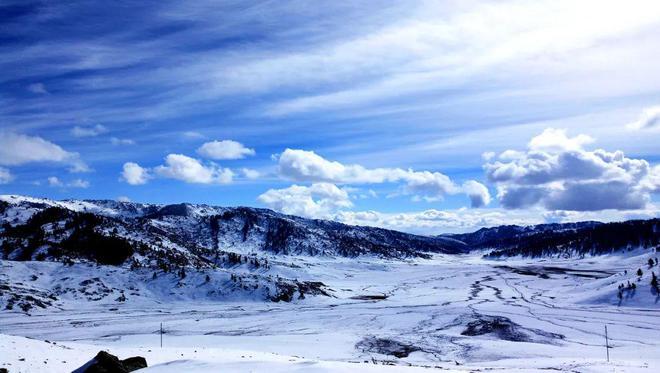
458 313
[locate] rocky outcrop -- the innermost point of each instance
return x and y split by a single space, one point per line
105 362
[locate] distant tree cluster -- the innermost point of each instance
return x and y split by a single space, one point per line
590 240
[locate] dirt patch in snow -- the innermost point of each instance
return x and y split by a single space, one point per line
386 346
503 328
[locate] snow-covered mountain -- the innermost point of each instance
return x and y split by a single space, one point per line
238 289
179 251
41 229
566 239
119 251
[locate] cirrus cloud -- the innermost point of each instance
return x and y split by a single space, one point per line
91 131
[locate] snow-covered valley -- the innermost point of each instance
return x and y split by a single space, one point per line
250 290
454 312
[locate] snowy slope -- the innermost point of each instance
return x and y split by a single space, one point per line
461 313
240 289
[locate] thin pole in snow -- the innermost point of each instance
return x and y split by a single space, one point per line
607 345
161 335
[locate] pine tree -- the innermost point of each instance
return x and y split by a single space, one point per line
639 272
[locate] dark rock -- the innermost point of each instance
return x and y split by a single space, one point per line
105 362
134 363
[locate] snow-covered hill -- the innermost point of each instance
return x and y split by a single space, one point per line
162 252
240 289
567 239
193 233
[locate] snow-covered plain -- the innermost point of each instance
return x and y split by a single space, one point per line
453 312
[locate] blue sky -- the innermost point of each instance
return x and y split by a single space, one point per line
421 116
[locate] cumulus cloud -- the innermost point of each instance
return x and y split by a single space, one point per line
487 156
478 193
134 174
224 149
650 118
17 149
303 165
54 181
191 170
250 173
553 139
319 200
651 183
5 176
77 183
559 174
307 166
92 131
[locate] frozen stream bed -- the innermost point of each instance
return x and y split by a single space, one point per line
458 313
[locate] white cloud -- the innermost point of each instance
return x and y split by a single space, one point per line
320 200
434 222
307 166
134 174
92 131
193 135
250 173
651 183
443 46
123 199
54 181
17 149
558 173
650 118
554 140
302 165
224 149
77 183
38 88
478 193
487 156
118 141
5 176
191 170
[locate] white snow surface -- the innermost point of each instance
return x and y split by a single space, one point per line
429 304
384 315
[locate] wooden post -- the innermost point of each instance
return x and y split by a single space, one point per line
607 345
161 335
